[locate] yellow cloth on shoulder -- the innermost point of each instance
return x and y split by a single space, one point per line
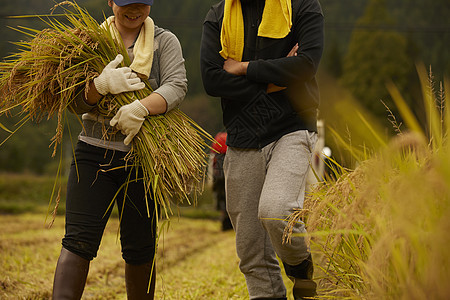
143 47
276 23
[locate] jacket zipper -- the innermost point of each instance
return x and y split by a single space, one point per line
258 22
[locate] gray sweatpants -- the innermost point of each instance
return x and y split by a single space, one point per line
262 188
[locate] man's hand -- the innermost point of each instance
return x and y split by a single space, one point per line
117 80
235 67
293 51
240 68
129 119
272 88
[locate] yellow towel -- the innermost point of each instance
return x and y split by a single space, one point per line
272 25
143 48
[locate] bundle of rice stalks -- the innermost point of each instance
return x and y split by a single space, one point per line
58 63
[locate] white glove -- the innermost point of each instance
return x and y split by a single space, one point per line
129 119
117 80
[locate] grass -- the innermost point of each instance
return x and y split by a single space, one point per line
196 260
20 193
29 250
29 193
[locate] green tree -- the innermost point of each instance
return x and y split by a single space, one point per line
97 8
376 55
28 149
332 59
428 26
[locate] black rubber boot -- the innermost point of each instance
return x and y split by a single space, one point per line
70 276
137 278
301 275
304 289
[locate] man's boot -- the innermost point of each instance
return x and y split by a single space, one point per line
137 279
301 275
70 276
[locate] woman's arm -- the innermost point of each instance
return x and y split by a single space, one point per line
173 81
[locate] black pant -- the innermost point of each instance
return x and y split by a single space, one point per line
98 178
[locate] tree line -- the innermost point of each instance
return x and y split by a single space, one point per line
367 42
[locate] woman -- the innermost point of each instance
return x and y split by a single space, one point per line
99 169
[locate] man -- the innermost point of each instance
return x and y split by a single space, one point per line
260 57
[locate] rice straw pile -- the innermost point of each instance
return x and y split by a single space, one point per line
58 63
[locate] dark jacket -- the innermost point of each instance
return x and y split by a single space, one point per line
253 118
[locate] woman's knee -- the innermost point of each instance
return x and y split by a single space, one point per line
139 243
83 249
139 255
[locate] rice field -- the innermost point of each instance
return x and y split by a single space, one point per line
378 231
196 260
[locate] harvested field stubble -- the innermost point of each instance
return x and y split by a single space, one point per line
196 260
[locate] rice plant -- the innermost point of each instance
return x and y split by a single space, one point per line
381 231
56 64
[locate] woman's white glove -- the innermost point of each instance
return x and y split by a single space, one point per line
117 80
129 119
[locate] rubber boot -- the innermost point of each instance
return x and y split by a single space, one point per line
304 289
70 276
137 279
301 275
